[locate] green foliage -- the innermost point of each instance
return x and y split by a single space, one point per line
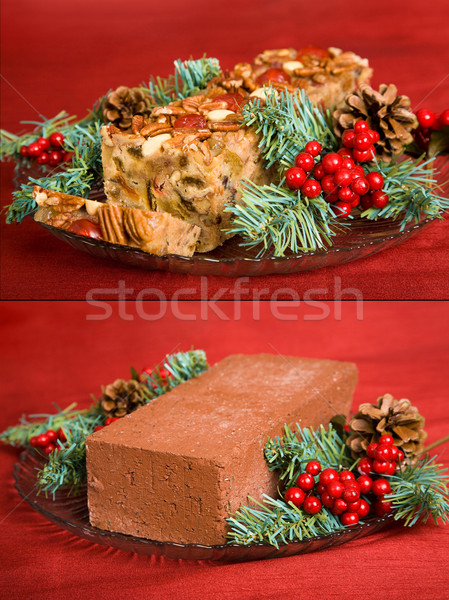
420 492
78 179
286 123
180 367
411 187
190 77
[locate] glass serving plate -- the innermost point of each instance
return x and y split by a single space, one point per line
71 513
360 239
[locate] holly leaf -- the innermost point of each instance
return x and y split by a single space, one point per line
439 142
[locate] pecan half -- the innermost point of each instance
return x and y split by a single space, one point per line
170 109
153 129
61 221
210 106
111 222
137 122
191 104
225 126
60 202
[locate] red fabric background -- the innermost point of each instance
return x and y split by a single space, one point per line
52 353
63 55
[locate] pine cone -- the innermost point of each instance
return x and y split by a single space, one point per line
385 111
122 104
123 397
396 417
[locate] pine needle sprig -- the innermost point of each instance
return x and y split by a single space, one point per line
276 521
286 123
180 367
281 220
420 491
78 179
290 452
190 78
412 189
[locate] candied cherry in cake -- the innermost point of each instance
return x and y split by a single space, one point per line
295 495
331 162
313 147
311 188
273 74
56 139
195 121
380 199
313 467
343 209
312 505
314 51
426 118
295 178
86 228
305 161
234 101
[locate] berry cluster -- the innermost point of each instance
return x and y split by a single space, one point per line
160 375
428 121
47 441
108 421
343 183
47 150
382 458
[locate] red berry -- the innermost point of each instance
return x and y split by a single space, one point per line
312 505
351 494
380 487
311 188
44 143
355 200
55 157
363 155
110 420
67 156
426 118
363 509
43 158
273 75
360 186
23 151
380 199
358 171
313 147
371 449
56 139
365 466
343 177
347 476
34 149
345 153
343 209
321 488
51 435
363 141
366 201
331 198
313 467
380 466
375 137
33 441
98 427
348 138
394 452
375 180
365 484
354 506
192 120
348 163
339 506
306 482
305 161
382 507
401 456
349 519
383 452
328 184
443 119
62 435
327 500
295 178
391 468
86 228
328 475
335 489
42 440
361 126
49 448
345 194
331 162
295 495
318 171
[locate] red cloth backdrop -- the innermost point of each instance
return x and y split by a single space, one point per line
50 352
64 55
